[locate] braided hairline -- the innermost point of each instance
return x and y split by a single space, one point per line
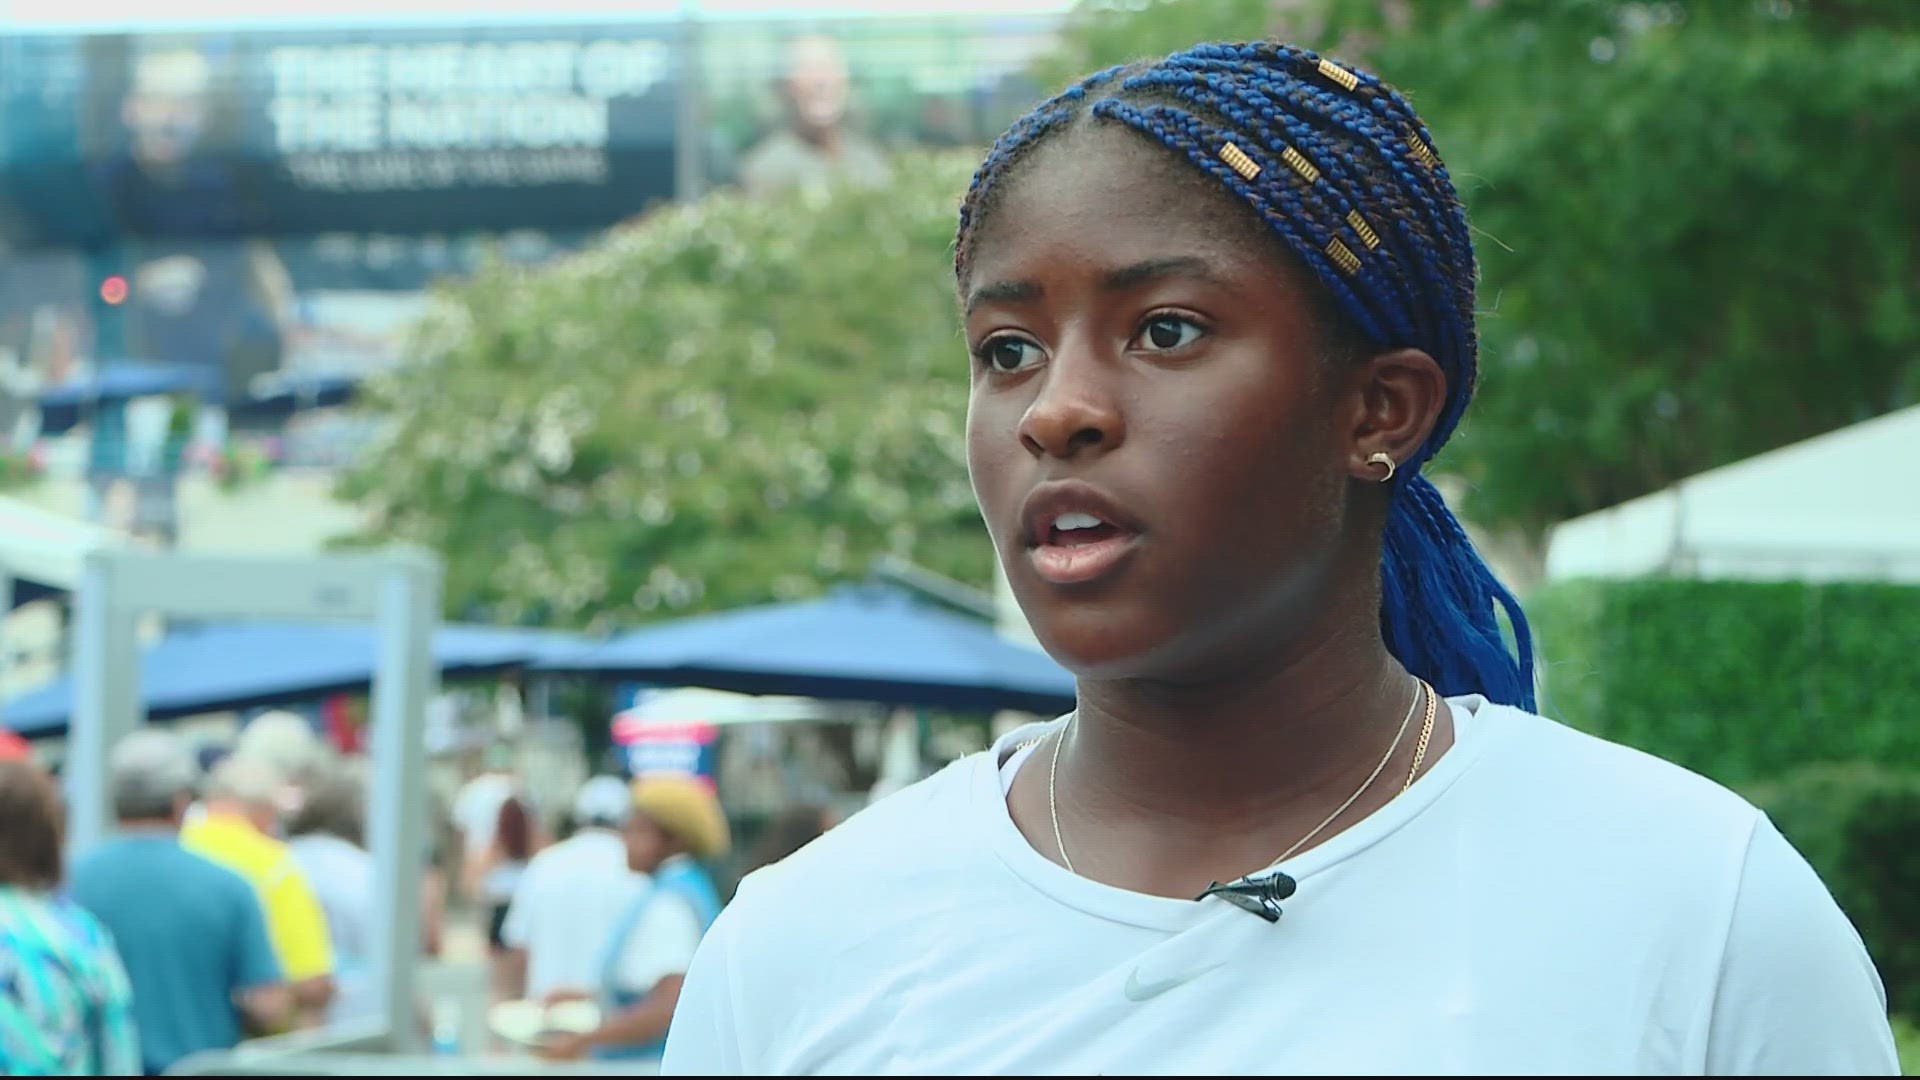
1383 276
1435 228
1306 112
1014 145
1412 290
1199 144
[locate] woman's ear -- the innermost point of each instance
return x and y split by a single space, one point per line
1397 400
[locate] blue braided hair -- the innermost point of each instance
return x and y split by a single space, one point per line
1342 172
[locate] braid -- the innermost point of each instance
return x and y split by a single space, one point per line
1326 202
1341 171
1202 145
1023 136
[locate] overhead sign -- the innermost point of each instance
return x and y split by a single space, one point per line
412 117
404 130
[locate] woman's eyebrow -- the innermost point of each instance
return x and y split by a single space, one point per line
1004 292
1151 270
1141 273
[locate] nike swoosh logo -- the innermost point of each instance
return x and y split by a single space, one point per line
1141 991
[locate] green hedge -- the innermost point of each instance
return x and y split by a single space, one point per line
1740 681
1856 823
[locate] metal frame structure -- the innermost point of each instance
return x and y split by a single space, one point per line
397 590
43 547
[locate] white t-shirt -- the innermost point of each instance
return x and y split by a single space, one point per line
663 942
476 809
343 880
1540 901
564 911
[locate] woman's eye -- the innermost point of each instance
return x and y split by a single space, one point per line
1167 332
1008 354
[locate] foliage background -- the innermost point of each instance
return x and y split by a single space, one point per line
726 403
1740 681
1696 224
1697 242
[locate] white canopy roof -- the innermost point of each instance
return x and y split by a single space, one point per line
47 547
1838 507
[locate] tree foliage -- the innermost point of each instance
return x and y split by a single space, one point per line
1697 243
1696 222
724 403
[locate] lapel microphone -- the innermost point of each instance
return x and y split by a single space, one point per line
1261 895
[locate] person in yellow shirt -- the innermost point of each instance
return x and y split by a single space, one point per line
242 813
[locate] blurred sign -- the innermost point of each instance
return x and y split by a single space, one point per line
435 115
654 747
406 129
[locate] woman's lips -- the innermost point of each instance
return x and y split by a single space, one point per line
1062 562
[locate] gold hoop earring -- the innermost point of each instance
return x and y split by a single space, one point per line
1382 458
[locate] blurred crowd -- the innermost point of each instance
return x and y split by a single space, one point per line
237 898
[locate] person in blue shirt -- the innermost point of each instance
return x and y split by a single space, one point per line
191 933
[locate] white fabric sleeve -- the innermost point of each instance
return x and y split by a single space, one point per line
517 929
1798 994
704 1039
662 943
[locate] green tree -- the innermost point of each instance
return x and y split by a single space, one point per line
1696 221
726 402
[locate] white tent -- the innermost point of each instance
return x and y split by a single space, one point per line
1838 507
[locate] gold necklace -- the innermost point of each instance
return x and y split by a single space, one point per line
1421 692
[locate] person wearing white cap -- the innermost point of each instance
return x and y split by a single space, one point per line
570 897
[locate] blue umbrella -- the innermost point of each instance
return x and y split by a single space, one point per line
290 392
862 643
240 666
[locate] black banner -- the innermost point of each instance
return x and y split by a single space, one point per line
402 130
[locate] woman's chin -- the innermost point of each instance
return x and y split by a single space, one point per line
1098 649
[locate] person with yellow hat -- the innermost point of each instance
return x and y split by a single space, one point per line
676 824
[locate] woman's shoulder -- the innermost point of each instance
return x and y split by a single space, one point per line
1562 774
55 923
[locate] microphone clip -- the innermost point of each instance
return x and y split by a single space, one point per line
1261 895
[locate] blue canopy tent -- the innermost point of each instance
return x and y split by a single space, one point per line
244 665
273 397
861 643
277 397
63 406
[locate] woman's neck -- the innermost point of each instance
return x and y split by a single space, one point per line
1161 788
1240 747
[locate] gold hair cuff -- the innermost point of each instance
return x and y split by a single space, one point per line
1422 151
1367 235
1347 79
1342 256
1239 162
1298 162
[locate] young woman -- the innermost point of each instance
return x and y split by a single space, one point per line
1303 820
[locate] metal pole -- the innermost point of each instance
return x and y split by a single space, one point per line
106 697
404 682
689 121
6 616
